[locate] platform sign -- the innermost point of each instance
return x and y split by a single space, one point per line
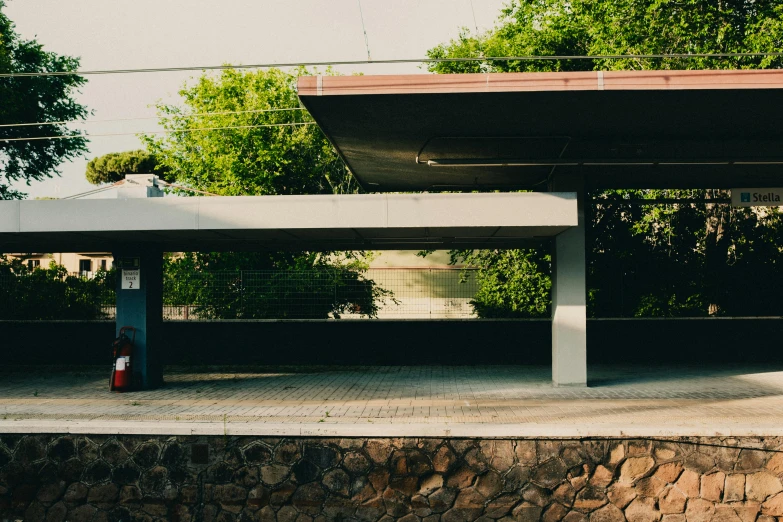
757 197
131 279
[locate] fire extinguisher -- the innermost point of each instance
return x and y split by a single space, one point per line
122 355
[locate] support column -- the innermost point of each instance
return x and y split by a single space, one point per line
569 303
140 304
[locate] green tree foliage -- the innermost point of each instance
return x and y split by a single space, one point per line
650 260
622 27
262 154
34 100
251 149
310 287
511 283
50 293
113 167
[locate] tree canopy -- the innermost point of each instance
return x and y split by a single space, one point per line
35 99
622 27
113 167
244 133
685 259
241 134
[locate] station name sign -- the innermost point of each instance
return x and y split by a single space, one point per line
757 197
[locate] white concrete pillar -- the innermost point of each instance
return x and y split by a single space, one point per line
569 294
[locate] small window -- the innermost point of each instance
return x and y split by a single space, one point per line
33 263
85 265
103 264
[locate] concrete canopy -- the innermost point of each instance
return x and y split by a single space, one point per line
328 222
632 129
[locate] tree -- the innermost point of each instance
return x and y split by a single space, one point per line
245 134
113 167
39 100
50 293
646 260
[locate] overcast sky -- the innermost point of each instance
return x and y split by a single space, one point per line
113 34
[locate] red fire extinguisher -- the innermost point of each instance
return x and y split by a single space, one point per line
122 355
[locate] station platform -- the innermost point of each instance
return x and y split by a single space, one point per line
401 401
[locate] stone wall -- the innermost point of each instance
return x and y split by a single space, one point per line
150 478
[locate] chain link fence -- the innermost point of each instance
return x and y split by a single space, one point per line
384 293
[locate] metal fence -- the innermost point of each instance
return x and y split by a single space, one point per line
385 293
409 293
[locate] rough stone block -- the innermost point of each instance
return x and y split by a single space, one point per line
525 451
668 472
337 481
621 495
673 518
550 473
461 478
642 509
379 450
608 513
699 510
442 499
650 486
516 478
750 460
527 513
635 468
590 499
712 486
734 488
554 513
759 486
616 454
725 513
602 477
575 516
502 505
565 494
309 498
775 464
443 459
672 501
637 448
489 484
773 506
689 483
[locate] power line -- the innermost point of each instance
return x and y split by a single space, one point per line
65 122
74 136
525 58
364 30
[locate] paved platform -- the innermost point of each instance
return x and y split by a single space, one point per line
456 401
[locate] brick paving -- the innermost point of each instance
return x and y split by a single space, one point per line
704 399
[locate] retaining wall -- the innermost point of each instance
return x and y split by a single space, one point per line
155 478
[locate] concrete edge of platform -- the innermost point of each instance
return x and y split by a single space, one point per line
464 430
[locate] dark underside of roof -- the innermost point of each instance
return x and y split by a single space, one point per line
518 140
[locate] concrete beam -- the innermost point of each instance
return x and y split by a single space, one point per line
374 221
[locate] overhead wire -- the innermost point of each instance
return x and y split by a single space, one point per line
168 131
194 115
364 30
391 61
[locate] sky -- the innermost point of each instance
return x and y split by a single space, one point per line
114 34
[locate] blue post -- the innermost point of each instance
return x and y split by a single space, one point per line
140 305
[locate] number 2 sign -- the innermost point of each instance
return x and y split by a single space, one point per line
130 279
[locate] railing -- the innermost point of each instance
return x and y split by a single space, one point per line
403 293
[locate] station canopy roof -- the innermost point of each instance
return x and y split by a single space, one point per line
316 222
621 129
